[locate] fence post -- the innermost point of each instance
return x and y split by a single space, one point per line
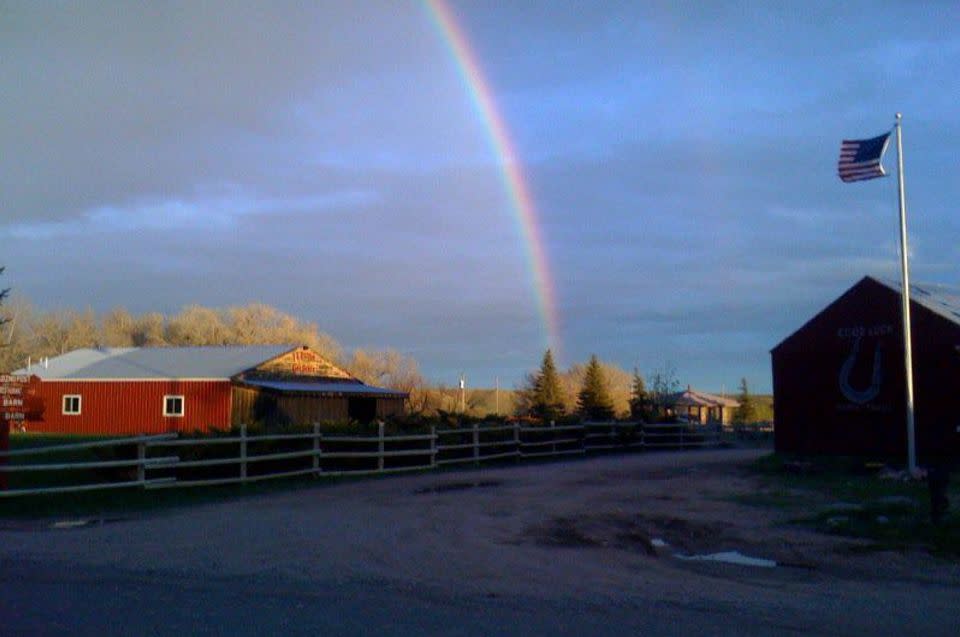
476 444
380 446
643 429
316 449
141 458
553 436
433 446
243 453
516 440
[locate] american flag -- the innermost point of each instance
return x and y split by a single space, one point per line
860 158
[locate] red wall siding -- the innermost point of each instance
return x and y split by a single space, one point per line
812 415
133 407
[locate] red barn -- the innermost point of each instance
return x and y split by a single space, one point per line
839 380
131 390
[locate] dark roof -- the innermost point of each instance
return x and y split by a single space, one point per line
942 300
324 387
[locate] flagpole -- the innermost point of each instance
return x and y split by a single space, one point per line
905 310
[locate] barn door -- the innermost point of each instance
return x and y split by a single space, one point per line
362 409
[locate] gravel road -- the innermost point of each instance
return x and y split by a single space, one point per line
581 547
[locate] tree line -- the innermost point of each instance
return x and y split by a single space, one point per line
30 333
605 392
595 390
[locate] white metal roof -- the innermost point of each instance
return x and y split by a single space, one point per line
942 300
216 362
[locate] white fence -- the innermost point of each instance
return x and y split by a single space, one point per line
165 461
140 464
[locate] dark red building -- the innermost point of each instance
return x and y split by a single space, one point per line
131 390
839 380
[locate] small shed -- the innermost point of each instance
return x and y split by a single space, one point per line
301 386
703 408
839 380
130 390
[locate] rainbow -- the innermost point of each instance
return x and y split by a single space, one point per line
517 190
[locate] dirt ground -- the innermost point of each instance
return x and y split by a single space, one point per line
611 529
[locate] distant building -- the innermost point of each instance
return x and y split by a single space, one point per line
703 408
132 390
839 380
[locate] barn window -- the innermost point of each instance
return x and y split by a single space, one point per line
71 405
173 405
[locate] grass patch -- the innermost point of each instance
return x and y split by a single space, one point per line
850 497
776 497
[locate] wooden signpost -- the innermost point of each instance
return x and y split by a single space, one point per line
18 404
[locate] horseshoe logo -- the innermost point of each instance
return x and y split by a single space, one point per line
860 396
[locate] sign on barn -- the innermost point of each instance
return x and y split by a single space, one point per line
839 380
299 362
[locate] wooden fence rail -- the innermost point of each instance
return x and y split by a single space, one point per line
140 464
318 454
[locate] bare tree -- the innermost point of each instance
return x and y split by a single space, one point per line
117 328
664 387
148 330
196 325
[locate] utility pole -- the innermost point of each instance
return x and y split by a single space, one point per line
463 393
497 394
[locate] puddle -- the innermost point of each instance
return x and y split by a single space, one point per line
70 524
729 557
79 523
447 487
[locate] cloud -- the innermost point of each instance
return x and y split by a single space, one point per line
197 215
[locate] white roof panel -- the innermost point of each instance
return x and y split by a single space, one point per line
942 300
216 362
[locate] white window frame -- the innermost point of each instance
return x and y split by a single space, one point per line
183 406
63 405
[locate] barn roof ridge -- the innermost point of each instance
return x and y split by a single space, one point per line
942 300
164 362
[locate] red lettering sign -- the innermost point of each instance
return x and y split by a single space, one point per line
20 399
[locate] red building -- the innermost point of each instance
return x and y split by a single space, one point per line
839 380
111 391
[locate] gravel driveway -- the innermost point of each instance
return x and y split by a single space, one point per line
593 546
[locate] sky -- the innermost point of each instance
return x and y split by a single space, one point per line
329 159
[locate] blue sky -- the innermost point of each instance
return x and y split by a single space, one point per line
325 158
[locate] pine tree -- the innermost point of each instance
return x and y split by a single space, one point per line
746 411
639 400
547 396
593 401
